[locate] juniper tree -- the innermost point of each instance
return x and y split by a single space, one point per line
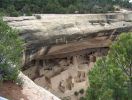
10 52
111 77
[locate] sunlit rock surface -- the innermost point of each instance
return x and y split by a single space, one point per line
60 27
28 91
60 49
54 29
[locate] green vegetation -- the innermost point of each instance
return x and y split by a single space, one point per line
111 77
76 93
27 7
81 98
81 91
10 52
38 16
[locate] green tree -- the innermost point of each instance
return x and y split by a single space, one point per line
2 12
26 10
10 52
71 9
108 79
62 6
11 11
121 55
53 6
66 3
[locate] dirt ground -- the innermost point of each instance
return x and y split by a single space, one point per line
11 91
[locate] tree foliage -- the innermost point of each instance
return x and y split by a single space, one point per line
121 54
60 6
10 52
110 77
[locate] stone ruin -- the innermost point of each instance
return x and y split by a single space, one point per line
61 49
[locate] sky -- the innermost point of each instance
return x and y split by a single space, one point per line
130 0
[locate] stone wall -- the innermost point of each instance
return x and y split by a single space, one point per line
128 16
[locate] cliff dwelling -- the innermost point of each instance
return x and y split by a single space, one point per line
61 49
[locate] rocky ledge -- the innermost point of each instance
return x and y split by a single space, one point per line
28 91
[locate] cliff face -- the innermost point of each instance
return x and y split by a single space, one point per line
61 49
53 34
62 29
28 91
53 27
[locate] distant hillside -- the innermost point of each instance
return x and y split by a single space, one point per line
27 7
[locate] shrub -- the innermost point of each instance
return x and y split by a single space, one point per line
2 12
8 72
19 81
14 14
38 16
81 91
29 13
11 11
82 98
76 93
10 53
71 9
65 98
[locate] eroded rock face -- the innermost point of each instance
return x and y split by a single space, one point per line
64 76
61 49
61 28
28 91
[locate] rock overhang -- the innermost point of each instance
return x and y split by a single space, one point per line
59 29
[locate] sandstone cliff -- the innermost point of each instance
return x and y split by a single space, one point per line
28 91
